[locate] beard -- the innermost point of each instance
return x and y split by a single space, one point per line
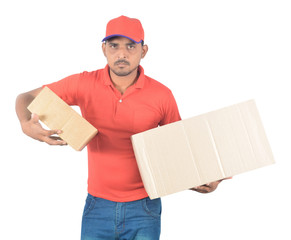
121 71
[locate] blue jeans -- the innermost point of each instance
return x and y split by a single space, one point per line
107 220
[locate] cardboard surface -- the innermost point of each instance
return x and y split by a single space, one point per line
202 149
57 114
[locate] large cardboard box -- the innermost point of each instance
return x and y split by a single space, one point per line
57 114
201 149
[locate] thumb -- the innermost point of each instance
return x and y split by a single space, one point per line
34 118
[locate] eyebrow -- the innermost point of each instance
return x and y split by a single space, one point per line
112 41
127 44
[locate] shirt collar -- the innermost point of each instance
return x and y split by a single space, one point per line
139 83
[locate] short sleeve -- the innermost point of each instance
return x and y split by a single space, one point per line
170 110
67 88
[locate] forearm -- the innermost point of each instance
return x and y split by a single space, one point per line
22 102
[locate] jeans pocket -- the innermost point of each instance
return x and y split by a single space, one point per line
153 207
90 203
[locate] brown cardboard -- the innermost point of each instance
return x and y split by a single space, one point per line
57 114
202 149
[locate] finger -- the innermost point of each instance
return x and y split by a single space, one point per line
203 188
46 133
47 136
51 140
34 117
200 187
52 132
56 138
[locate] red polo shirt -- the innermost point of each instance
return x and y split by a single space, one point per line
113 173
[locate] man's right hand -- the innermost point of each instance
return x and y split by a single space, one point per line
33 129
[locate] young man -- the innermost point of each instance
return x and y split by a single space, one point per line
119 100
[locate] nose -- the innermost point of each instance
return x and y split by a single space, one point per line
122 53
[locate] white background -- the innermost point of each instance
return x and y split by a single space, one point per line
210 53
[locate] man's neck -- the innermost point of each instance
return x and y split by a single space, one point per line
121 83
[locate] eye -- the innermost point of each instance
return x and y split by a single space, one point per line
113 45
131 46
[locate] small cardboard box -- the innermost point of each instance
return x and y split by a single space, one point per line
202 149
57 114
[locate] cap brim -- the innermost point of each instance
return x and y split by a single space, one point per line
119 35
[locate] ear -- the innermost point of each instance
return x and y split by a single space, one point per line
104 49
144 50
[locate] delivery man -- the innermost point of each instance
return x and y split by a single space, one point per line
119 100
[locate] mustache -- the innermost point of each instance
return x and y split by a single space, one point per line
121 61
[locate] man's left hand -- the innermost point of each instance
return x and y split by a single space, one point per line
209 187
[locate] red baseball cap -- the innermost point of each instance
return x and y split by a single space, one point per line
123 26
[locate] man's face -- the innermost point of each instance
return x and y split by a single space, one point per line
123 55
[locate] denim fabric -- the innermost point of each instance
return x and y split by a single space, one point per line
107 220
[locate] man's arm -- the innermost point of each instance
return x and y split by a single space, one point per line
30 122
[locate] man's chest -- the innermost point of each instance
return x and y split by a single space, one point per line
132 112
